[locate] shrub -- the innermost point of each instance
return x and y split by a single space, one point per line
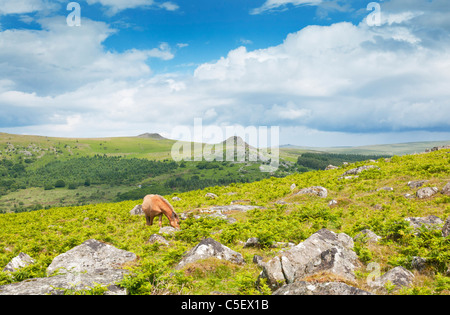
60 183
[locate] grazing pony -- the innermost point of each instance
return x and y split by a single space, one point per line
154 205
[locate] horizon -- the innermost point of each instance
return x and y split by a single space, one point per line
281 146
328 73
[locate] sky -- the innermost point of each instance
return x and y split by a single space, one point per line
326 72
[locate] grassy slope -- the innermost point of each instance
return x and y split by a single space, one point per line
46 147
48 233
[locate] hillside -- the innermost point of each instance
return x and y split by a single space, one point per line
41 172
377 199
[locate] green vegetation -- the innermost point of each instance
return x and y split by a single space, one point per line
319 161
44 234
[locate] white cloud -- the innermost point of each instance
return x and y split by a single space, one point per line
169 6
275 4
21 6
60 58
115 6
342 77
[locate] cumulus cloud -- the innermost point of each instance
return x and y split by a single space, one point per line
340 78
60 58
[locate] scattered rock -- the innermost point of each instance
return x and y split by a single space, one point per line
176 198
426 192
18 262
325 288
416 183
168 230
331 167
367 236
137 210
418 263
156 238
446 189
431 222
322 251
356 171
399 276
385 189
332 203
252 242
210 196
56 285
258 260
234 207
349 177
433 149
446 228
378 207
210 248
293 186
315 190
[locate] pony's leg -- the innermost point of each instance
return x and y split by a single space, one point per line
160 220
149 220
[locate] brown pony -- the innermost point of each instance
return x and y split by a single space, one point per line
156 205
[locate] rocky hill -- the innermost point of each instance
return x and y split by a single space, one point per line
373 227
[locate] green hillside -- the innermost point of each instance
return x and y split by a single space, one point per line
292 152
40 172
45 149
285 217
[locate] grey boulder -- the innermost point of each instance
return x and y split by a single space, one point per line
322 251
210 248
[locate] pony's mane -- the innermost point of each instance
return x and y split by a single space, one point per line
174 214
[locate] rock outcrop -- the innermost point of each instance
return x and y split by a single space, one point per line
325 288
137 210
322 251
90 257
210 248
80 268
431 222
315 190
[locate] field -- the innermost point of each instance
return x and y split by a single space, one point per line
361 204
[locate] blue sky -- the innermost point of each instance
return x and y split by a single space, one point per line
317 68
